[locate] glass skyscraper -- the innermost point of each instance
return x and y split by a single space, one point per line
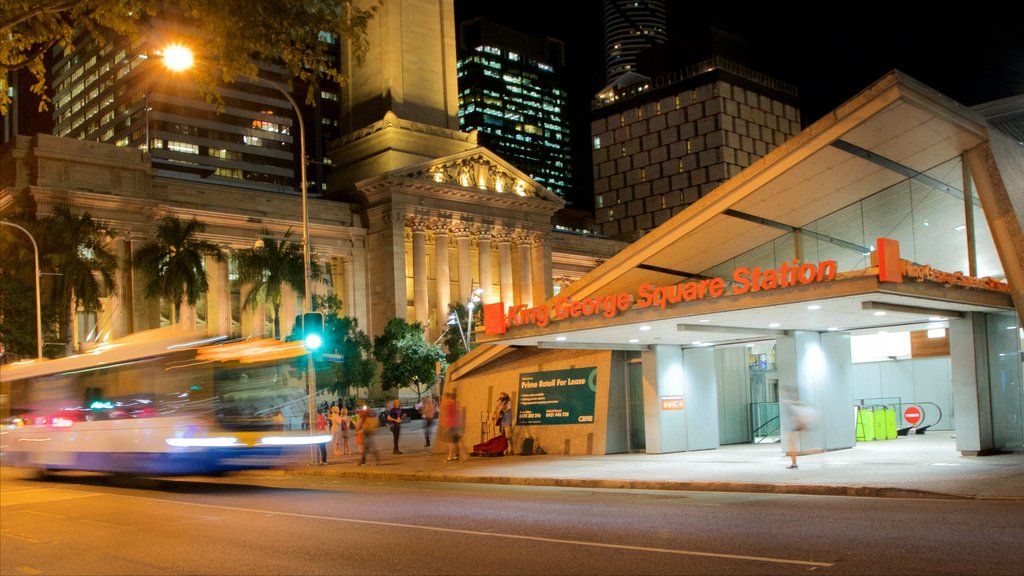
511 92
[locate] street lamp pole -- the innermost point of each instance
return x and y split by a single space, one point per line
308 300
474 299
39 306
178 58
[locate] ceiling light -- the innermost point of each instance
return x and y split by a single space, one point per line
560 338
833 329
937 318
634 340
696 342
879 312
814 307
703 321
774 325
960 227
645 328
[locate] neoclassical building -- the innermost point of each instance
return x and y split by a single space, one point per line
417 214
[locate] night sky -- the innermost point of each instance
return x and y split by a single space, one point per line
830 51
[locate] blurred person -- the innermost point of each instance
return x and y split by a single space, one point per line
336 430
800 416
346 425
428 409
450 423
366 424
395 422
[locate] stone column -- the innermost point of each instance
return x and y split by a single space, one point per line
444 281
464 241
541 259
523 243
218 298
419 271
505 268
483 244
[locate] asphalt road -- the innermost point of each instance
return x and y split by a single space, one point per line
291 524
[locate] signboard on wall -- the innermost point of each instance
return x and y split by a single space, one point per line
557 397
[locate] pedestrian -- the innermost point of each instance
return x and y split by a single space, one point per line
364 438
799 418
450 424
395 422
336 430
429 410
321 428
346 425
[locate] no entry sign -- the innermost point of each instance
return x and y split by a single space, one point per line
912 415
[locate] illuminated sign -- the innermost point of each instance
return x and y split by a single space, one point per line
891 268
744 280
673 403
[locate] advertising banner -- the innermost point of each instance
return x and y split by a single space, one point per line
557 397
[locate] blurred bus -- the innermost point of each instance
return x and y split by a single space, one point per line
161 402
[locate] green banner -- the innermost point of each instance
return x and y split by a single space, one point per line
557 397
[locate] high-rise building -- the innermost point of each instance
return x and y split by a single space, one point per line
630 27
672 134
511 93
120 93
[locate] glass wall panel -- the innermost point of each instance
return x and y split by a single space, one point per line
1005 382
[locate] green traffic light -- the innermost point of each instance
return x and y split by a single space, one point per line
313 341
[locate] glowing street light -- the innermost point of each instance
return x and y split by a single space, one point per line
453 320
178 58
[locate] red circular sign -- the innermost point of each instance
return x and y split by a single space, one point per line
912 415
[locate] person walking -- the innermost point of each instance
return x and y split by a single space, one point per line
395 422
429 411
799 418
336 430
450 423
366 424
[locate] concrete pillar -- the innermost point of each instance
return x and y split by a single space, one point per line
541 258
464 241
972 399
444 282
218 298
524 244
419 272
483 243
505 269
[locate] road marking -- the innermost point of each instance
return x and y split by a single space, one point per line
39 495
508 536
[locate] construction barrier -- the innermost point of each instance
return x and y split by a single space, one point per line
865 424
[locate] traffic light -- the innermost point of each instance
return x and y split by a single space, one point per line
313 329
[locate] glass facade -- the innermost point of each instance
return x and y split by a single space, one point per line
517 105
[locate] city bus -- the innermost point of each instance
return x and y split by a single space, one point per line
162 402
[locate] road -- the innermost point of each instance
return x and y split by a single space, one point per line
291 524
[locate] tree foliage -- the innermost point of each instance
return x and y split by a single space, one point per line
454 339
173 262
266 269
231 34
74 250
357 368
407 360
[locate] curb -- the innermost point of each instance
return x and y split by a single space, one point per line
681 486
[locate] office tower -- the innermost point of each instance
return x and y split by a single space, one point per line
121 93
661 143
512 94
630 27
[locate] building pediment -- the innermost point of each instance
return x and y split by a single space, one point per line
479 170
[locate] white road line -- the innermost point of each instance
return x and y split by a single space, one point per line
508 536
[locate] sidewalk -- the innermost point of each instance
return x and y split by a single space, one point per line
910 466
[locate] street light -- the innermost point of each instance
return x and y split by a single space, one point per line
39 306
453 320
473 301
178 58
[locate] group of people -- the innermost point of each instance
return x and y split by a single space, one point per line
337 421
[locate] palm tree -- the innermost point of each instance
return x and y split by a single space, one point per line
173 262
74 249
267 268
